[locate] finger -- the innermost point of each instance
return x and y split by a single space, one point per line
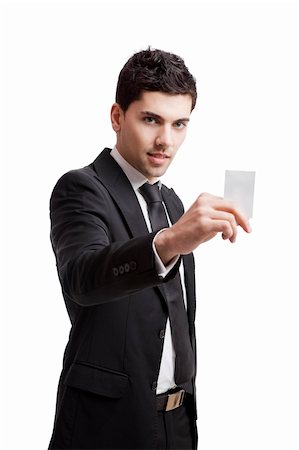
240 217
242 220
229 217
224 227
232 240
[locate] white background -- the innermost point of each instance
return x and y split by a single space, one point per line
60 64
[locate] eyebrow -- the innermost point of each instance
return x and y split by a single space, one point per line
156 116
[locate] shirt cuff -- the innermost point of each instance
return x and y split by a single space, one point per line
161 269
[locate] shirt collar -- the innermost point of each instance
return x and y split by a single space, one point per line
136 178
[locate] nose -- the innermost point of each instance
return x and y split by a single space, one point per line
164 138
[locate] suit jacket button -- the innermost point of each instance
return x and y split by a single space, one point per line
154 385
162 334
133 265
115 271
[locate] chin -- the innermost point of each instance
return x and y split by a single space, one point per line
155 172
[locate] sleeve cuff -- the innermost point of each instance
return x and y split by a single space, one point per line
161 269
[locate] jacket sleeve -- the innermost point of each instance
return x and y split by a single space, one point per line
92 269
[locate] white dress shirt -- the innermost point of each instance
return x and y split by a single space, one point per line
166 374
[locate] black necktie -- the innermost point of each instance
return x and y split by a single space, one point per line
184 361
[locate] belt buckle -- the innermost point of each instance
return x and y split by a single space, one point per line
175 400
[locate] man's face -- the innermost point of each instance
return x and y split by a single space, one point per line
151 131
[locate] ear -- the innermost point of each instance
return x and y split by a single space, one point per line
116 116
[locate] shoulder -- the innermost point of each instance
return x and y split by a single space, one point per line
77 180
79 188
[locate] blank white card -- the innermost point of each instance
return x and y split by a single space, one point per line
239 188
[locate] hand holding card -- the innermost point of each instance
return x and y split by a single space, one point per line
239 188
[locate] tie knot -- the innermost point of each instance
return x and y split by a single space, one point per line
151 192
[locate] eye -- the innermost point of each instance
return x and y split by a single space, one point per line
179 125
149 119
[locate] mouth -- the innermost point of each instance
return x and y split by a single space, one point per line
158 158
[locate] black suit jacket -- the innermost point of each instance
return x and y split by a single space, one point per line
117 307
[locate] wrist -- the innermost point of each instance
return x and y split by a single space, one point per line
164 247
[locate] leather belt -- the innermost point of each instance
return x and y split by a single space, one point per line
167 402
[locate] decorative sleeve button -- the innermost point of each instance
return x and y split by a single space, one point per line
133 265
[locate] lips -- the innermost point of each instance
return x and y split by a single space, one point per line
157 159
158 155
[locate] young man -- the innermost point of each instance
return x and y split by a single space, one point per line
123 247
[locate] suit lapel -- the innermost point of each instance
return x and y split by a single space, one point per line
120 189
174 209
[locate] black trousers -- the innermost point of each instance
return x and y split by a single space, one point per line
177 428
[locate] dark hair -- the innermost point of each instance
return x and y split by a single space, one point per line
154 70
